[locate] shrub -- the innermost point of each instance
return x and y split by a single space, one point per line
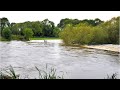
18 37
80 34
7 33
28 33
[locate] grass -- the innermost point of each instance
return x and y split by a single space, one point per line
10 74
44 38
48 75
3 39
113 76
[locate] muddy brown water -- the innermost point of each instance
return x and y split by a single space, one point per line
71 62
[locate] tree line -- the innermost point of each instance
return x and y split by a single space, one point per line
26 30
87 33
72 31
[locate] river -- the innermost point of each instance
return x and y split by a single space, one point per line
71 62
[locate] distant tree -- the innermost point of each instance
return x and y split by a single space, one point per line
28 33
64 22
48 27
7 33
4 22
37 28
12 24
56 32
15 28
112 28
97 21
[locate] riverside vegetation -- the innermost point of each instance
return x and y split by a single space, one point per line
72 31
42 74
11 74
85 33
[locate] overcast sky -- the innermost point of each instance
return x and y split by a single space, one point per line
56 16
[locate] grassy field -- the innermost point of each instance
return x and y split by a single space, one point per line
45 38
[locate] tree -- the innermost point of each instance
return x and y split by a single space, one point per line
64 22
4 22
48 27
37 28
56 32
28 33
100 35
97 21
112 28
7 33
15 29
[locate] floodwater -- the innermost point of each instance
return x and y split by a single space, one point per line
71 62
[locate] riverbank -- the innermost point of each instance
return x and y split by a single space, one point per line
44 38
108 47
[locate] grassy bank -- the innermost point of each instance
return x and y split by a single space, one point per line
44 38
3 39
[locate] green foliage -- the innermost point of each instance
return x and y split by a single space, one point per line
28 33
15 28
72 31
64 22
46 38
17 37
48 27
43 28
84 33
112 28
66 34
4 22
100 35
56 32
37 28
80 34
6 33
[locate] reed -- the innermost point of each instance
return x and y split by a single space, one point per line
43 74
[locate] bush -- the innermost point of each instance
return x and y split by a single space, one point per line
18 37
100 36
112 28
7 33
83 33
80 34
28 33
